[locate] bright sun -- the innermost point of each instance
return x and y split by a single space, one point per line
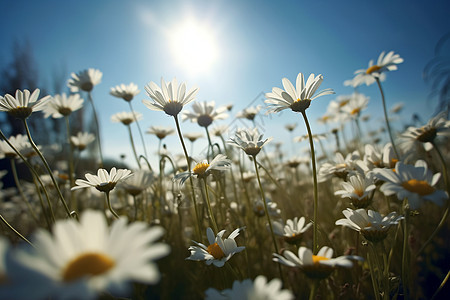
193 46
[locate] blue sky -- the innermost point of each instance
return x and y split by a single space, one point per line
258 43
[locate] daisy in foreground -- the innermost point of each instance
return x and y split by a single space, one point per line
252 290
82 260
293 231
318 266
416 183
125 92
23 104
371 224
249 140
219 250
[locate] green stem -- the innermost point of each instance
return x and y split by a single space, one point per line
208 202
386 116
376 290
312 293
98 128
70 163
210 146
14 230
139 129
108 202
316 193
47 167
441 286
404 251
132 145
194 199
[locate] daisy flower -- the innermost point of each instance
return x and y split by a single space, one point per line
425 135
219 130
293 230
397 108
290 127
318 266
23 104
384 63
20 142
103 181
203 168
358 102
249 113
296 98
84 80
252 290
126 118
62 105
272 208
341 166
204 113
219 250
139 182
358 189
170 98
83 259
125 92
160 131
81 140
193 136
372 225
416 183
249 140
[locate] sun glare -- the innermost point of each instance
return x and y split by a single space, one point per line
194 46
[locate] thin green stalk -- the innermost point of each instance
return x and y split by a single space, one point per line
233 180
47 167
441 286
314 285
376 290
98 128
386 116
130 134
210 145
19 188
70 163
139 129
194 199
405 261
208 202
316 192
108 202
14 230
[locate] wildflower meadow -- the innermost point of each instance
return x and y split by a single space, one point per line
350 218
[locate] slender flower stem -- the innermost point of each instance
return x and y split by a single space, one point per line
47 167
98 128
108 202
386 116
14 230
194 199
316 192
208 202
70 163
210 146
405 260
441 286
139 129
376 290
132 146
30 167
314 285
447 185
24 198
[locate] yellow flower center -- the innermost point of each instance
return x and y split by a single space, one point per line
215 251
355 111
317 258
200 168
392 164
372 69
420 187
359 192
87 264
344 102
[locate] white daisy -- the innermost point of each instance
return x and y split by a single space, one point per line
219 250
341 167
160 131
82 259
203 168
170 98
416 183
193 136
249 140
252 290
20 142
296 98
139 182
384 63
126 118
372 225
103 181
84 80
315 266
249 113
358 102
292 231
204 113
125 92
23 104
82 139
62 105
358 189
272 208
